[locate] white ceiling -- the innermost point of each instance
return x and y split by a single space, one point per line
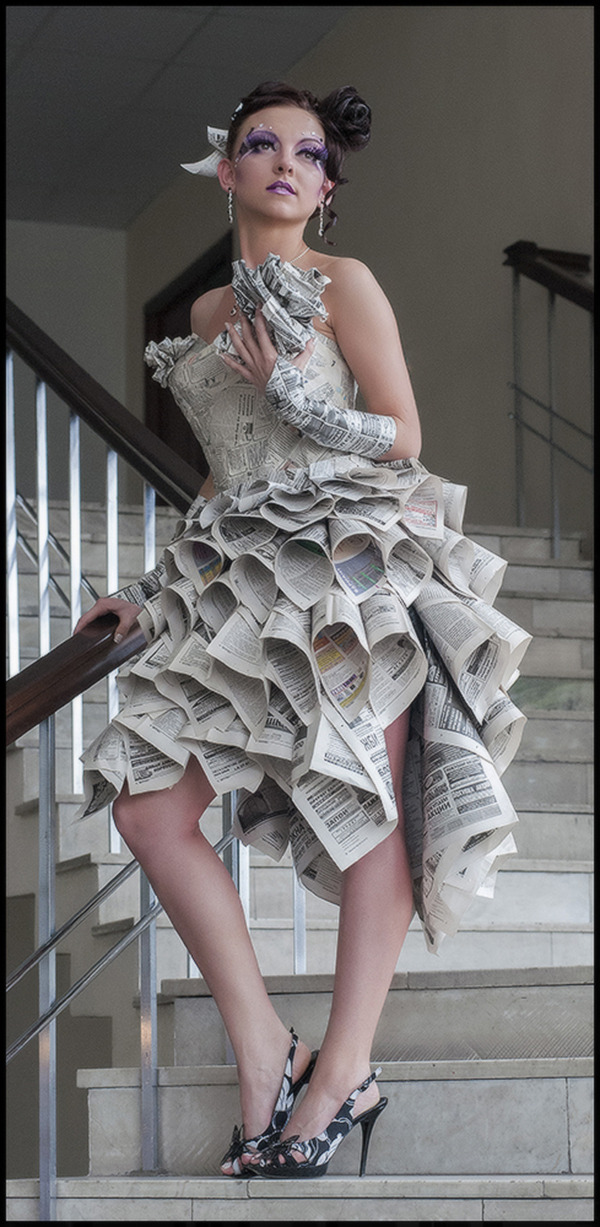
105 101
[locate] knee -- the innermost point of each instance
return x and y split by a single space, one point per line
128 817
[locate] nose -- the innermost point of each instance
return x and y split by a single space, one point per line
284 164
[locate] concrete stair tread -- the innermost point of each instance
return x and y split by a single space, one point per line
160 1185
391 1071
477 978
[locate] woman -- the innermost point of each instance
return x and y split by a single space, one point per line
301 607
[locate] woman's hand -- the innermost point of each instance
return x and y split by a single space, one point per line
126 612
256 354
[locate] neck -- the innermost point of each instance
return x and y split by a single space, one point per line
256 244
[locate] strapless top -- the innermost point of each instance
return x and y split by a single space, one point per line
235 425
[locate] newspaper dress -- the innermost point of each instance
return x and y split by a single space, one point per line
296 614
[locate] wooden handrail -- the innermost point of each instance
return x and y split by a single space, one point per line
563 272
69 669
172 477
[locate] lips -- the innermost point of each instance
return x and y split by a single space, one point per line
281 188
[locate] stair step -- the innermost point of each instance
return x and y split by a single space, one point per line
512 1113
489 1198
548 615
559 657
549 577
524 544
437 1015
471 948
532 784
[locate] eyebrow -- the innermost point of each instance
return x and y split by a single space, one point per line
305 135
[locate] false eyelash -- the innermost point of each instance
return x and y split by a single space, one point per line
254 139
320 153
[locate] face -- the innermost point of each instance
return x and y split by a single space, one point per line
278 163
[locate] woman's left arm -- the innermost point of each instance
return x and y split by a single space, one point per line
366 331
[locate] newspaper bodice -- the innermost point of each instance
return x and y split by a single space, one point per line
234 424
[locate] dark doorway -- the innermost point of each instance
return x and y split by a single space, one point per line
168 315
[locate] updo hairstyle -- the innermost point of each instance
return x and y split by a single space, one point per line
345 117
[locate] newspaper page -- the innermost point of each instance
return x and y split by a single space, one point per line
458 815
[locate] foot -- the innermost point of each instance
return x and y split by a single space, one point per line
260 1085
318 1109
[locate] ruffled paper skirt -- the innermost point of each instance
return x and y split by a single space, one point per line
302 614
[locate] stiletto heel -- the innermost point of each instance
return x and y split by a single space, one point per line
277 1162
282 1111
367 1121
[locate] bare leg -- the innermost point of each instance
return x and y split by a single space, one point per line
198 895
376 911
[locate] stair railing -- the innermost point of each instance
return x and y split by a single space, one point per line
565 275
61 676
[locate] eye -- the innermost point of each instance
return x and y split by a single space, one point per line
315 153
256 141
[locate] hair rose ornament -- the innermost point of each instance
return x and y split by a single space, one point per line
217 137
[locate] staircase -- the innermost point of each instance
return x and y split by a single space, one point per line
485 1050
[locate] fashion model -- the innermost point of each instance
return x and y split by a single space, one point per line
321 638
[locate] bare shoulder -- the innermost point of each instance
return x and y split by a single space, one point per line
353 291
345 272
203 310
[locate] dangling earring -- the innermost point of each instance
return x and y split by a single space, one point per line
321 219
230 206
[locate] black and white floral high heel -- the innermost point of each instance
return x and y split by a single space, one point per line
277 1162
282 1111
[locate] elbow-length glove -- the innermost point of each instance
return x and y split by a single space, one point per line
347 430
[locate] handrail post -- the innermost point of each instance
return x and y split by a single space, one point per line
554 492
148 1033
299 926
112 580
75 588
12 571
47 974
516 322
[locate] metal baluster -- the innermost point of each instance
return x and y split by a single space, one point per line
148 971
42 508
47 974
12 571
112 580
230 861
516 305
554 491
148 1033
299 927
75 589
149 526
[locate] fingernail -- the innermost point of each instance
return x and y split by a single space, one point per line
118 637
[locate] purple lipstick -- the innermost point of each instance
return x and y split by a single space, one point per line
281 188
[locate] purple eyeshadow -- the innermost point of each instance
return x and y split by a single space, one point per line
319 152
257 136
261 136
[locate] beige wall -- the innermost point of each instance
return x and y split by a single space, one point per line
71 281
482 120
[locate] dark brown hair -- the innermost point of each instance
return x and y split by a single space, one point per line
345 117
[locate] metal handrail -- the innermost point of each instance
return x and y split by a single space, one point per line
563 274
49 1015
94 901
32 961
42 689
58 549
